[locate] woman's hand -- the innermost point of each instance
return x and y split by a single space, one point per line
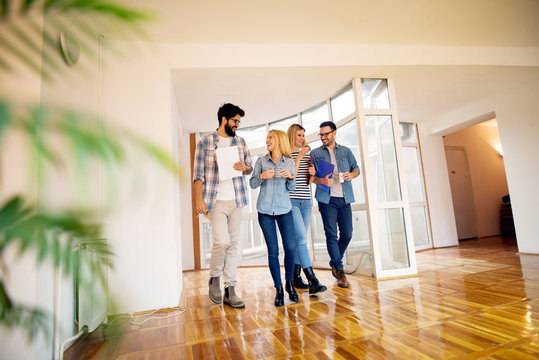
267 174
312 171
303 152
286 174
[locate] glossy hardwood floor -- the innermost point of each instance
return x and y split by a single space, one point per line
476 301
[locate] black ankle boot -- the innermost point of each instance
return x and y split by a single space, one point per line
297 281
314 284
279 296
292 294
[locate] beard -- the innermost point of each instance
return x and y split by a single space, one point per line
230 130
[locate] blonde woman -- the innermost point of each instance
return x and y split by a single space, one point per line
274 173
301 201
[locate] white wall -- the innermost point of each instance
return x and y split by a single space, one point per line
487 174
517 125
144 225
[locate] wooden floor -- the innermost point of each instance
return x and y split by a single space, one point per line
479 300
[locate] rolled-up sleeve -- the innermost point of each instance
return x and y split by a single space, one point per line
352 161
198 166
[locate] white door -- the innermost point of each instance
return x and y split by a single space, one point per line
461 192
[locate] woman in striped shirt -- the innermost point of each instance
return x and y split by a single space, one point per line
301 209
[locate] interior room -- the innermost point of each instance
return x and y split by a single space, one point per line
464 76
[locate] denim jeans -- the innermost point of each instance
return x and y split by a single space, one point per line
286 228
301 211
337 212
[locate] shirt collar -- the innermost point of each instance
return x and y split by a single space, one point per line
216 137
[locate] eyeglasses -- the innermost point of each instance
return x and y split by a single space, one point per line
236 121
325 134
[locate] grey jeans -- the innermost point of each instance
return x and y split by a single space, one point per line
226 225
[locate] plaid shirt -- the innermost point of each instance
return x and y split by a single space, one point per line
205 169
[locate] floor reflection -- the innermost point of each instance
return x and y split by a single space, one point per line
478 300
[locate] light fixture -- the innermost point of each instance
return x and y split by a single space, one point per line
499 150
70 49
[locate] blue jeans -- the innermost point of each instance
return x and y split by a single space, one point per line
286 228
301 211
337 212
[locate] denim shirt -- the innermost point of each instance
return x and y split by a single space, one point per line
273 198
346 162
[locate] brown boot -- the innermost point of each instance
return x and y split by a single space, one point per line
334 272
341 280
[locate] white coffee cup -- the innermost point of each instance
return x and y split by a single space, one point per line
341 178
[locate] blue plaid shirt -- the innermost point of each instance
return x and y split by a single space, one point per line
205 169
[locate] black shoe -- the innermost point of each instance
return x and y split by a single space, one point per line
297 281
279 296
314 284
292 294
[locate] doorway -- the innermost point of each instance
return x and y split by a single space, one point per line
477 177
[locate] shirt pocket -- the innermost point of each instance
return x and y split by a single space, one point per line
210 156
344 164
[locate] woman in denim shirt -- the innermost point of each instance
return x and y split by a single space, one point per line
274 173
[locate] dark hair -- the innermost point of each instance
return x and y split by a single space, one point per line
331 124
229 111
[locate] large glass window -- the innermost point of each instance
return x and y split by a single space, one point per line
375 93
382 221
415 185
392 239
383 158
311 119
343 104
283 124
255 136
347 135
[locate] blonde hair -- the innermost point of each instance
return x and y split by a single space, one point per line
292 130
282 141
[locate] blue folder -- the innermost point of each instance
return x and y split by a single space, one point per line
324 168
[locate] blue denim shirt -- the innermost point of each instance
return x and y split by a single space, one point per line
273 198
346 162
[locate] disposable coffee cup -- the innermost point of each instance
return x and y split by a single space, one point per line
277 173
341 178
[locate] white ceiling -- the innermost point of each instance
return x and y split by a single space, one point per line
395 22
271 93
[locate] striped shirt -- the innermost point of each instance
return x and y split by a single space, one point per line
205 169
303 190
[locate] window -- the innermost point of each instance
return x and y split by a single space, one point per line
343 104
283 124
311 119
383 222
375 93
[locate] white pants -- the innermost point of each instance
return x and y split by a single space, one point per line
226 225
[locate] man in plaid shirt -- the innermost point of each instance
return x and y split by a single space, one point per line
222 201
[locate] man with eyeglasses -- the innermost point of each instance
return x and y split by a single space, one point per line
222 201
334 205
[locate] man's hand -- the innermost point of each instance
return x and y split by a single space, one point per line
327 181
346 176
201 206
240 166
